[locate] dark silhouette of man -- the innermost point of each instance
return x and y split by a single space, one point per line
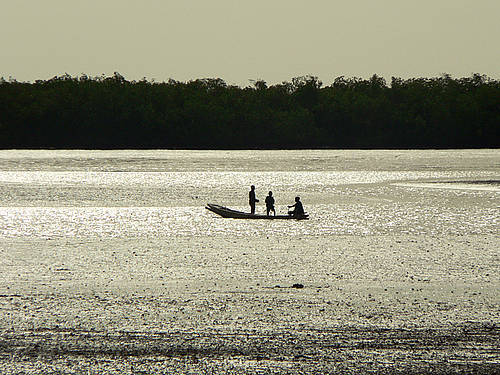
251 199
270 204
298 208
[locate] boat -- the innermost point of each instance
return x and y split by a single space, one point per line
233 214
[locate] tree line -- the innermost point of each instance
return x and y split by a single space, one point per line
112 112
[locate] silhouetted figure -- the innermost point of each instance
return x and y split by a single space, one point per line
270 204
298 208
251 199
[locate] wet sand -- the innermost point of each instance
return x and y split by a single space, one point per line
370 304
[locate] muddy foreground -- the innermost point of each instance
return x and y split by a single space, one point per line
375 304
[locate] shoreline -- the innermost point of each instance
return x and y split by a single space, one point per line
433 307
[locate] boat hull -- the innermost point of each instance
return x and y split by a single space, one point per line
233 214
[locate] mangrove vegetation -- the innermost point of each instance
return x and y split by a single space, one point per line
112 112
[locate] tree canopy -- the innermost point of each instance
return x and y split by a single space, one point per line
111 112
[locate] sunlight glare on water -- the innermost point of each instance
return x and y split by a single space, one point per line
109 260
49 194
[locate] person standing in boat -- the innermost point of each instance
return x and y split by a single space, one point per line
298 209
270 204
251 199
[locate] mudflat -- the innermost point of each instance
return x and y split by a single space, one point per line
382 304
110 264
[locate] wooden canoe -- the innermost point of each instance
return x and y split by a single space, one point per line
229 213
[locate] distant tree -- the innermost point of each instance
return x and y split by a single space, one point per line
111 112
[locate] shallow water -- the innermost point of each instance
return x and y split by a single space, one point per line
100 243
55 194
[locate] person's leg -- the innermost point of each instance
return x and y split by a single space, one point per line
252 208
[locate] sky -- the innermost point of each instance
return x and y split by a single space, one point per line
239 41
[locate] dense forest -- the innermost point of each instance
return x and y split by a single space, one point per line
111 112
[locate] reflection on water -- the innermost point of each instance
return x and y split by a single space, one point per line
485 185
133 222
107 255
45 194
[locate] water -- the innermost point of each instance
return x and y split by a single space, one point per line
106 194
119 243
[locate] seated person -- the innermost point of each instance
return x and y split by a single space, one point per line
270 204
298 208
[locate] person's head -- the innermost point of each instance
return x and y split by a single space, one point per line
297 199
252 187
270 193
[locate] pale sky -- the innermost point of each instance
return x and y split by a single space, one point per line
236 40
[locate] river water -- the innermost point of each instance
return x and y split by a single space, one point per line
119 241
